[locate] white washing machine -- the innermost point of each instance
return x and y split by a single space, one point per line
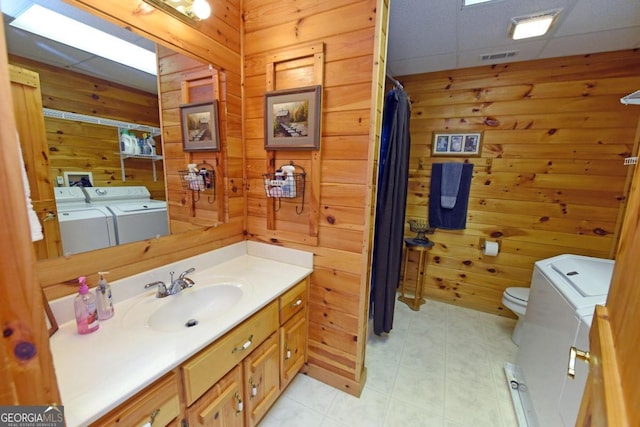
136 216
564 292
83 227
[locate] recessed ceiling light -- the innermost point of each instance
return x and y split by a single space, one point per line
54 26
536 25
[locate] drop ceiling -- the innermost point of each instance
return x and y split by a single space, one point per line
424 36
435 35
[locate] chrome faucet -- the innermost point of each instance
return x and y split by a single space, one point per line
176 285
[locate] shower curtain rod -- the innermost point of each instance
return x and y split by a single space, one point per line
395 82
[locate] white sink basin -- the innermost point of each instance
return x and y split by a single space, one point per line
189 308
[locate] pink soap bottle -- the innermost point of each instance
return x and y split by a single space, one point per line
86 309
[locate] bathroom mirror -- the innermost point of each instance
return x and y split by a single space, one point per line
103 69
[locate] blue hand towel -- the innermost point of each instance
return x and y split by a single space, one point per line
444 218
450 184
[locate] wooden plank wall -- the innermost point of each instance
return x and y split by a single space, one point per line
187 209
550 178
337 300
219 47
77 146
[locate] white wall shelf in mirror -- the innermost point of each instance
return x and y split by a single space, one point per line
58 114
120 126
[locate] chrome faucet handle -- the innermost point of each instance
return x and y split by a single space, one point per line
162 288
184 273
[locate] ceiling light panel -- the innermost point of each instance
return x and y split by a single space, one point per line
52 25
523 27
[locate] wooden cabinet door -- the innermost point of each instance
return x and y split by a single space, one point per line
293 347
27 105
222 405
261 380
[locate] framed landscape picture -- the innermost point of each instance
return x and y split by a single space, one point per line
200 126
292 119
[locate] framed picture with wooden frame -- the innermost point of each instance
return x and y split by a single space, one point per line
292 119
458 144
199 123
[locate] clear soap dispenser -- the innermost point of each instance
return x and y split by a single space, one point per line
85 309
103 298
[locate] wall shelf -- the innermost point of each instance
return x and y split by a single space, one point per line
154 158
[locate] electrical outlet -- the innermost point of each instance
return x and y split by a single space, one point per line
60 180
630 161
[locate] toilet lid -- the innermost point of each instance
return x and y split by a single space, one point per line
521 294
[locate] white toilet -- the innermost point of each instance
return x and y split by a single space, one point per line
516 299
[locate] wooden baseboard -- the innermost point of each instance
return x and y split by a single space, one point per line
348 386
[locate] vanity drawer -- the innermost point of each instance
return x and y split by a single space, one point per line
294 300
157 404
206 368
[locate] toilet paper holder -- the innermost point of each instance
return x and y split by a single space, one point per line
489 247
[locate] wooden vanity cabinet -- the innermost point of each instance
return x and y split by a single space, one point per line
157 405
234 381
293 332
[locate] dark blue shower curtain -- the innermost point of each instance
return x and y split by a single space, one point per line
393 175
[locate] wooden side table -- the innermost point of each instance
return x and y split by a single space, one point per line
422 247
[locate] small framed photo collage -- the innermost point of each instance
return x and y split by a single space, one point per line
456 144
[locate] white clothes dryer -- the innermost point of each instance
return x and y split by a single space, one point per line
83 227
136 216
564 292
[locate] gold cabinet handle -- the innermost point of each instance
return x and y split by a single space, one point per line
244 346
239 404
574 354
296 303
152 418
254 388
287 354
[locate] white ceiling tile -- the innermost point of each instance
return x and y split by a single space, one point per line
602 41
599 15
425 64
425 30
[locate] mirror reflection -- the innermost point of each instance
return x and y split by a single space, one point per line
105 159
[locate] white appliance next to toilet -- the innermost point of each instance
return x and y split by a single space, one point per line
564 292
135 214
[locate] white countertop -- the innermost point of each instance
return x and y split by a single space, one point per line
99 371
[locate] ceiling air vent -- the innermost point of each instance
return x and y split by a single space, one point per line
498 55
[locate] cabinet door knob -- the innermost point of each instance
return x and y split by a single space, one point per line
296 303
574 354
